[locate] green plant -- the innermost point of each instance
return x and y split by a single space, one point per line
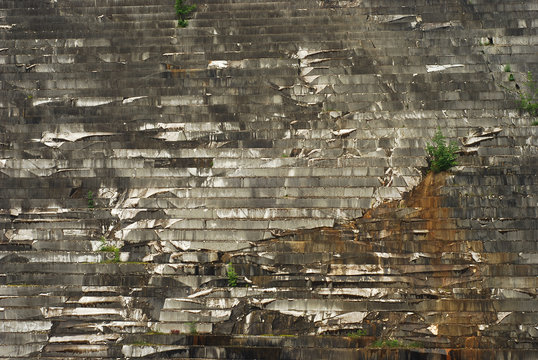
192 328
535 123
357 333
441 156
391 343
394 343
529 99
507 68
511 77
107 247
183 11
91 202
232 276
487 41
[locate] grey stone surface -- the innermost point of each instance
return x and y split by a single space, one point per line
282 137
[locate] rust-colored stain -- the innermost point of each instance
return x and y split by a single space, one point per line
422 224
421 209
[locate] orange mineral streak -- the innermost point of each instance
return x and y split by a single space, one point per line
421 211
426 198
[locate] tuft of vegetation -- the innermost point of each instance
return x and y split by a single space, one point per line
528 100
394 343
91 202
232 276
357 333
391 343
192 328
535 123
441 156
183 11
486 41
107 247
507 68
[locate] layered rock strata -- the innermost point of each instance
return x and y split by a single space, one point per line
138 160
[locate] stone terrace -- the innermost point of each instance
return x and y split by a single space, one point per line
286 138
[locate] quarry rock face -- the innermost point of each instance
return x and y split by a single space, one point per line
255 185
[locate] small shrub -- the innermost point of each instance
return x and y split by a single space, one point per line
441 156
192 328
91 202
529 99
507 68
183 11
107 247
232 276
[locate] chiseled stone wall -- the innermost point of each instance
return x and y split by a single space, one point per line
286 138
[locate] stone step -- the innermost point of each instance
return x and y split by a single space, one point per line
78 291
163 30
202 26
290 281
272 102
256 65
97 50
206 353
88 9
186 60
413 136
241 16
365 264
295 127
368 86
191 68
330 100
188 309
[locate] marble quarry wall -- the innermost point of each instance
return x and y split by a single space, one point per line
255 185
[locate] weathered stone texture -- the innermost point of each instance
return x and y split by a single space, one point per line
286 138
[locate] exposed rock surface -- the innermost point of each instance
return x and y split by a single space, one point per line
286 138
